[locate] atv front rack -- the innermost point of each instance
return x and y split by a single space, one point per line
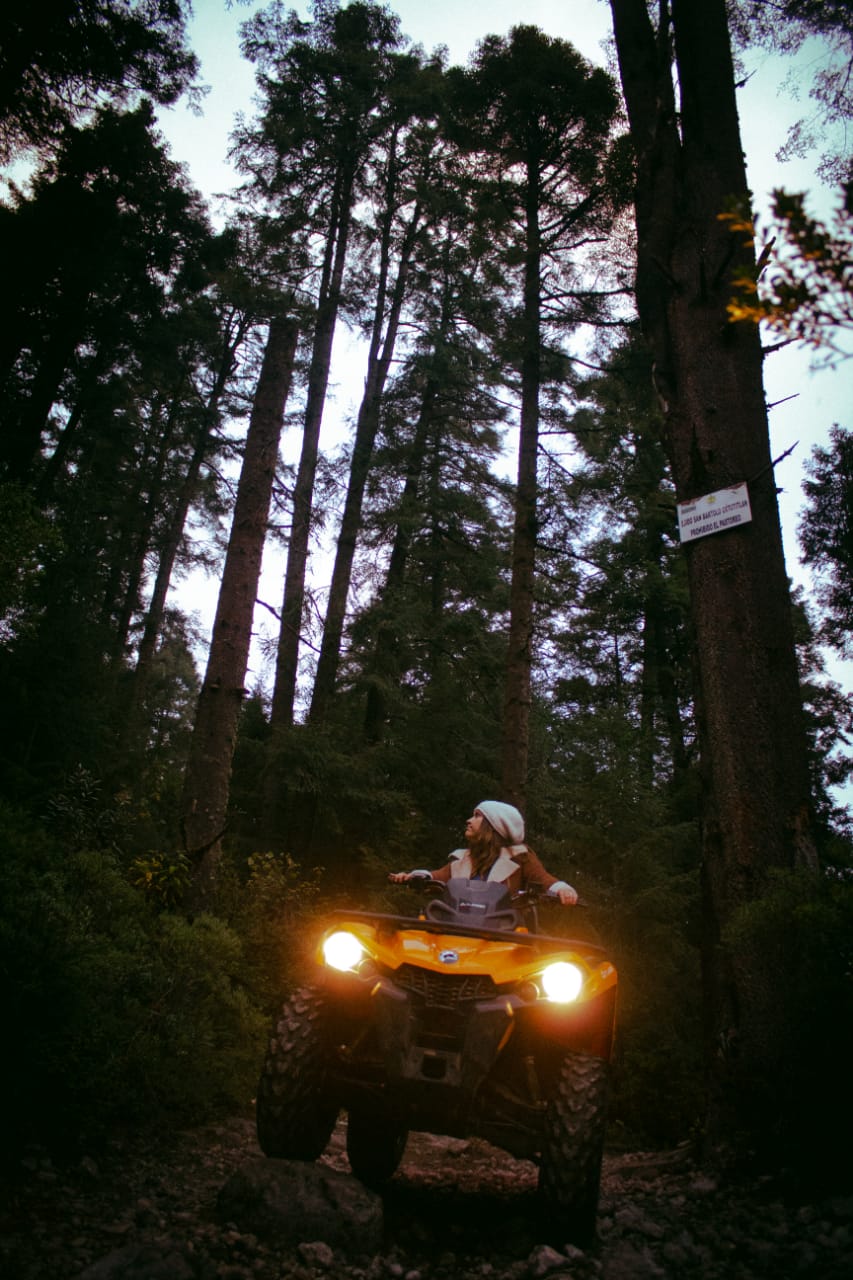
396 924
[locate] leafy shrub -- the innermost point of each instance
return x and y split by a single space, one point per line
801 934
113 1011
272 913
163 877
205 1030
659 1018
79 815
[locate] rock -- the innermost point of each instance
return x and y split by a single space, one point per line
675 1254
455 1146
628 1261
842 1206
145 1214
140 1262
289 1202
317 1254
630 1218
544 1260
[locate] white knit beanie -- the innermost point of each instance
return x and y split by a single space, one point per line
505 819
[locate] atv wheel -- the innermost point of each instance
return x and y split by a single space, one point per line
572 1147
295 1117
376 1140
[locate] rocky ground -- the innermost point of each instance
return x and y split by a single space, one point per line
152 1209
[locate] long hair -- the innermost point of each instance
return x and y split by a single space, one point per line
485 848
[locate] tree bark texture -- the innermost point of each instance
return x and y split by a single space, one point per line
383 667
708 373
235 335
207 780
287 658
135 569
379 362
517 695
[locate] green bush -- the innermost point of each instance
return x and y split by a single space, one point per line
659 1081
114 1011
801 934
162 877
206 1029
272 907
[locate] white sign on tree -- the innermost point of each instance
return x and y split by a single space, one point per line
713 512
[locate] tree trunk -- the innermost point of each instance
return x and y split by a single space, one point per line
55 464
208 774
437 580
709 378
22 434
135 574
379 361
648 699
383 666
168 551
287 659
293 603
168 554
517 698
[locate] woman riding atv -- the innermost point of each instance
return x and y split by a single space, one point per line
494 835
457 1018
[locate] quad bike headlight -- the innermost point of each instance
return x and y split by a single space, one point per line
343 951
562 982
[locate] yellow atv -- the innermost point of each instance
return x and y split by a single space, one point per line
460 1020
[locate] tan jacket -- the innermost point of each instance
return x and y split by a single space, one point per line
517 869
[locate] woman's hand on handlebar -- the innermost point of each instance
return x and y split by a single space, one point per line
398 877
567 896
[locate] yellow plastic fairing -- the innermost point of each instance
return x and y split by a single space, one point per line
561 977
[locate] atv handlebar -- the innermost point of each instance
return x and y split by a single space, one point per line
522 897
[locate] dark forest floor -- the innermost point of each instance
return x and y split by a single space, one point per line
145 1207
